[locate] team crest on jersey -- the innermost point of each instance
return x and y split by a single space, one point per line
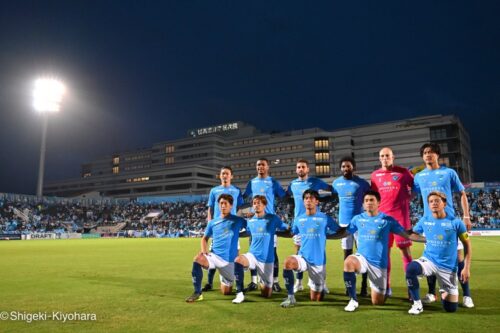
373 232
262 190
395 177
260 229
434 183
311 230
440 237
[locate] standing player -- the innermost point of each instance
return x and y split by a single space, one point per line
350 189
373 230
440 255
226 176
295 190
260 257
440 178
269 187
394 184
225 232
312 228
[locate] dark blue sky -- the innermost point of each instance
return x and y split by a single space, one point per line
143 72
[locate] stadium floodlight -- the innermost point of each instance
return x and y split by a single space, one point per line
47 98
47 95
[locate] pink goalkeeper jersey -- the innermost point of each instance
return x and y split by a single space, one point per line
394 187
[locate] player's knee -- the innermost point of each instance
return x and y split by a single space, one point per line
240 260
413 269
290 263
450 306
198 258
349 264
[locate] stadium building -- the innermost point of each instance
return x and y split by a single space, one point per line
190 165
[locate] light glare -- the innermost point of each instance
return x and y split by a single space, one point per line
47 95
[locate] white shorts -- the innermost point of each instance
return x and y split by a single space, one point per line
347 242
297 240
226 269
275 240
447 279
264 270
316 273
376 275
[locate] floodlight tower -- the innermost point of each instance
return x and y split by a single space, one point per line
47 98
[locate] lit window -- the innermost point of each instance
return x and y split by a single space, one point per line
169 149
116 169
169 160
116 160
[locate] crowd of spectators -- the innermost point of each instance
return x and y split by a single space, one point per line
19 214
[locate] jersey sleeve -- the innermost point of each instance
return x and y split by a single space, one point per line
416 184
460 226
373 183
365 186
409 179
419 227
331 225
280 225
295 228
396 228
248 190
321 185
239 200
211 199
353 226
334 191
277 189
208 229
456 184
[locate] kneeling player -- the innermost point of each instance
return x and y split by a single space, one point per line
260 257
373 229
440 256
225 232
312 228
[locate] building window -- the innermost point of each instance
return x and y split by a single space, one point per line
87 174
443 147
321 143
169 149
169 160
438 133
322 157
116 160
116 169
322 169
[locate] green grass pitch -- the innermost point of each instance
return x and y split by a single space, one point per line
139 285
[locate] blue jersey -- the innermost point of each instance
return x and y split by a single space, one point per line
443 180
350 193
312 230
442 240
262 230
217 191
373 236
225 233
297 188
268 187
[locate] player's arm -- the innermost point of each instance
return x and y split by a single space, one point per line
464 238
244 233
204 244
411 235
340 233
210 213
465 209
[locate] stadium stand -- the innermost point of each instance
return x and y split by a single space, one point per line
24 214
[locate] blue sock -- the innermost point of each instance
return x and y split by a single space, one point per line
276 268
253 272
210 277
288 276
412 272
449 306
431 282
465 286
197 274
239 274
300 275
350 284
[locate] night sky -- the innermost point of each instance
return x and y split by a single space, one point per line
140 72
